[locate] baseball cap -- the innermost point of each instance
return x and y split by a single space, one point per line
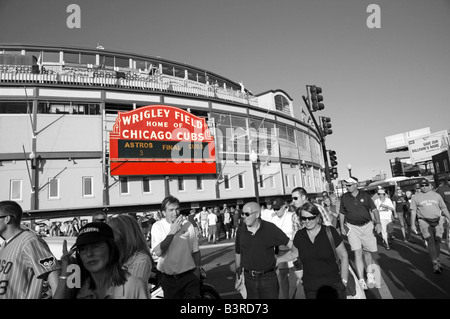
277 203
94 232
351 180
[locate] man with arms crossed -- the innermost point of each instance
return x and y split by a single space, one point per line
356 210
175 243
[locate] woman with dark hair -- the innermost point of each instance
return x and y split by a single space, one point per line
134 251
102 275
312 246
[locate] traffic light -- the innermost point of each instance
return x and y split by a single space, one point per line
316 98
333 158
326 126
334 173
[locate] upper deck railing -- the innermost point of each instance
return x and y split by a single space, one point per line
128 79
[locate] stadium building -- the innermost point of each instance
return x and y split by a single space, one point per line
59 105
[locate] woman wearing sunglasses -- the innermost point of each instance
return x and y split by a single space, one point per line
312 246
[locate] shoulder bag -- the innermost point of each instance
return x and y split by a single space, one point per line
351 282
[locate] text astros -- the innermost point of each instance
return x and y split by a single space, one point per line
161 135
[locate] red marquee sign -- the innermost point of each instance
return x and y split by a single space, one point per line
161 140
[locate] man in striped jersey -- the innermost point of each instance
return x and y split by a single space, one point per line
25 259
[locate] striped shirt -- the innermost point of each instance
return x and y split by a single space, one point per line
139 265
25 261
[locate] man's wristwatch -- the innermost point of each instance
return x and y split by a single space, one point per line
344 282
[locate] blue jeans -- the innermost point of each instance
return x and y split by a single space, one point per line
263 287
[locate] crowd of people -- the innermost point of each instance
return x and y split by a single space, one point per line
300 239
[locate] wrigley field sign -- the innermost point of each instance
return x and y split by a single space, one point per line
161 140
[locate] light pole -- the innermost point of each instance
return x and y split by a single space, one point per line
254 160
349 167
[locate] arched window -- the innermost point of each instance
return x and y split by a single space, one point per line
282 104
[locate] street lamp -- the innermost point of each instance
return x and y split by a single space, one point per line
254 160
349 167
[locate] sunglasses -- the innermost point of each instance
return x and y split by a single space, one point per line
4 216
424 185
349 185
248 214
308 218
100 220
295 198
381 194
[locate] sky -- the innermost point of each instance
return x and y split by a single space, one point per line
376 82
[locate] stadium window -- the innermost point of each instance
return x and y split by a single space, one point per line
286 180
294 179
50 57
199 183
121 63
226 181
241 181
53 188
71 58
88 59
272 181
14 107
124 189
146 187
16 190
261 181
88 189
180 183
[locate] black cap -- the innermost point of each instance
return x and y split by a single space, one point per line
277 203
94 232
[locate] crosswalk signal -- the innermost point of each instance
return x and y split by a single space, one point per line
334 173
333 158
326 126
316 98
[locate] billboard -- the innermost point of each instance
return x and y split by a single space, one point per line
423 148
161 140
398 142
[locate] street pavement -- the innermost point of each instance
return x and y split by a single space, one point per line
406 270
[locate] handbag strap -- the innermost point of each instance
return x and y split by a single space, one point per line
331 239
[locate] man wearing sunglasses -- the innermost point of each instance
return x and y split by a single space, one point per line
25 258
356 211
299 197
255 253
427 205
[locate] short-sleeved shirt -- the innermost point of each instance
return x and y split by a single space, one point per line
25 261
357 209
444 191
134 288
178 258
428 205
319 263
258 250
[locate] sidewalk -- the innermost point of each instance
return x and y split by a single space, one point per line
203 242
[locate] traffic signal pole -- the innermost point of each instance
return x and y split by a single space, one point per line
322 141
